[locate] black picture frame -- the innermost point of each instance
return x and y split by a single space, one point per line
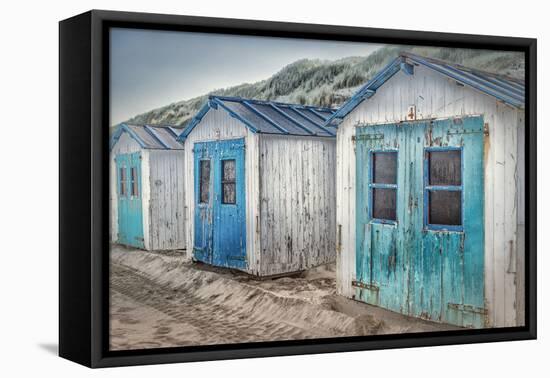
83 180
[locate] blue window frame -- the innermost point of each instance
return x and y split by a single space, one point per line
204 181
229 182
383 186
122 182
133 182
443 189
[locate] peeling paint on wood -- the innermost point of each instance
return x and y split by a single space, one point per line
437 98
161 191
298 203
290 195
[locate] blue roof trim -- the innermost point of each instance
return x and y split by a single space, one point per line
509 85
235 115
118 133
466 78
299 124
510 91
173 131
323 117
195 121
259 120
267 102
150 132
298 110
368 90
258 112
146 136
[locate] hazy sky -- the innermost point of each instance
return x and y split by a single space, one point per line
150 69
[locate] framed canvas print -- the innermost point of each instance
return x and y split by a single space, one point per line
234 188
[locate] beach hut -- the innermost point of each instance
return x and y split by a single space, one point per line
147 187
430 193
260 185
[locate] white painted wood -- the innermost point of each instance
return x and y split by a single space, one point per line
436 96
145 198
162 205
166 206
345 199
520 178
298 209
290 211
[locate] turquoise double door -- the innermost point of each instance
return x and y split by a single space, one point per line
420 219
220 212
130 215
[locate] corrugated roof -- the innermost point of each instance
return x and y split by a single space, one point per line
150 137
506 89
269 117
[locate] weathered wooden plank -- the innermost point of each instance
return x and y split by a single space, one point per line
510 218
298 222
435 97
499 237
520 264
489 161
167 226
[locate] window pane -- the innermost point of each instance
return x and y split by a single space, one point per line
445 167
228 167
134 182
228 182
384 167
122 175
229 193
204 181
384 204
445 207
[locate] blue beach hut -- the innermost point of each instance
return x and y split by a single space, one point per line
260 185
430 192
147 188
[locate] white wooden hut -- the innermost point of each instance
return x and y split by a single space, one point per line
260 185
430 193
147 188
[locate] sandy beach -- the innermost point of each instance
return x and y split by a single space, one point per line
158 300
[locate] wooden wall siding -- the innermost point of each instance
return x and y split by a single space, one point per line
405 265
437 97
166 206
298 203
127 145
520 268
218 125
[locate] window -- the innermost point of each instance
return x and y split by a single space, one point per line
204 184
443 189
228 182
122 181
383 186
133 182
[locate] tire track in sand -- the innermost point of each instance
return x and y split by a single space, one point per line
217 324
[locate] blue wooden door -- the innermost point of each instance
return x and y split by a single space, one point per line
381 261
205 155
420 234
130 216
220 216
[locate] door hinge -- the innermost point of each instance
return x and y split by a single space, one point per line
362 285
467 308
